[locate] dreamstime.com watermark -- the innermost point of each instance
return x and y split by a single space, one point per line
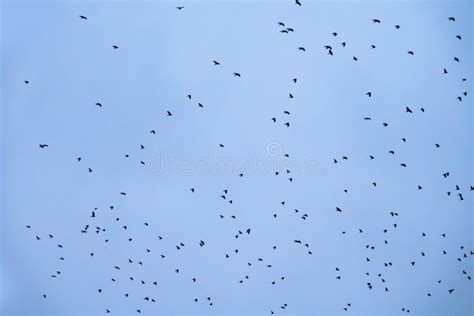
272 162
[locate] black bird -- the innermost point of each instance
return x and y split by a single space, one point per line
301 49
236 74
297 2
397 26
375 20
114 46
451 18
179 8
43 145
168 113
83 17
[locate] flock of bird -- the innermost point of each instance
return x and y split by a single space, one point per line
376 280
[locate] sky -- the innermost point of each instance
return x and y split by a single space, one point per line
165 54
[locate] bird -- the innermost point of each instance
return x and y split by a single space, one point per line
168 113
216 63
180 8
82 17
114 46
43 145
297 2
375 20
302 49
236 74
451 18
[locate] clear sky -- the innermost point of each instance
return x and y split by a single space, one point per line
165 54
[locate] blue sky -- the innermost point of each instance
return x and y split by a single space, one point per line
165 54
